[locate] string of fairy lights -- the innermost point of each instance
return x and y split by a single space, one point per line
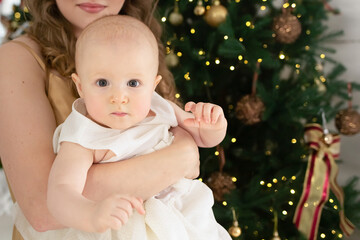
173 56
173 59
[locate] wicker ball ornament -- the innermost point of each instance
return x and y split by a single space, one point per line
220 183
287 28
216 14
249 109
347 121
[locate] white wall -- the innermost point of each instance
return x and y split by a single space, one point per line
348 53
6 9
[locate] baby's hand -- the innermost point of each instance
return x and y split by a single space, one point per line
207 115
114 211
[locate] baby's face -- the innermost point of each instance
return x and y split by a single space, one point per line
117 82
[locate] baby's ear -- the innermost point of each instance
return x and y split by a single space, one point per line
157 80
77 82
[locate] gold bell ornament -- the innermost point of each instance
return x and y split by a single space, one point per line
216 14
234 230
199 10
175 18
327 136
276 236
275 233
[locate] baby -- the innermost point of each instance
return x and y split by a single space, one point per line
118 116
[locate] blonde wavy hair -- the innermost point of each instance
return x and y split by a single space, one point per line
57 41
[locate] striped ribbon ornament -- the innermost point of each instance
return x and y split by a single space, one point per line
320 177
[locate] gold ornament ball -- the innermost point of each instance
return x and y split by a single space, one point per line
347 121
328 138
235 231
199 10
216 14
176 18
287 28
319 67
276 236
321 87
171 60
14 25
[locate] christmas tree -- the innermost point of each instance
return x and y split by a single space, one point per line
263 61
17 22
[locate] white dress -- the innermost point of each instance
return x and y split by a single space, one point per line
183 211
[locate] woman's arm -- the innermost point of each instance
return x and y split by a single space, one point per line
27 125
146 175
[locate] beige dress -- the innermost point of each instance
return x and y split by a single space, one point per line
60 95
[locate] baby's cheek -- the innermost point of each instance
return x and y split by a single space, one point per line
95 109
144 108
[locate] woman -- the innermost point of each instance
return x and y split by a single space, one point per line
36 95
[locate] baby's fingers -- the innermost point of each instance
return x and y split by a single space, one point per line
196 109
189 106
207 112
118 219
133 202
217 112
137 203
124 209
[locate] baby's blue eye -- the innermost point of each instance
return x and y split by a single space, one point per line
133 83
102 82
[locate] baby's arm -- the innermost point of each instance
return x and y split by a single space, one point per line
66 202
204 121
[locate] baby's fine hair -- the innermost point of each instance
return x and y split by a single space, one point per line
117 28
55 36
